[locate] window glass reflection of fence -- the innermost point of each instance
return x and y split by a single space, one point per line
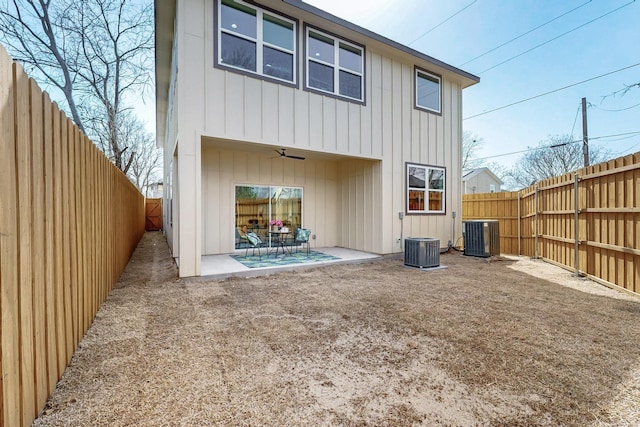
256 206
69 221
540 221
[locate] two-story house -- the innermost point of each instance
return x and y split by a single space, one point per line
275 109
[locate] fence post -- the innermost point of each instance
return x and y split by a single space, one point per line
576 262
519 232
536 219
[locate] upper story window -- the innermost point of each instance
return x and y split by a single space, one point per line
256 41
334 66
428 91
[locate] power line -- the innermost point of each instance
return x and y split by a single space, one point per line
524 34
557 37
628 150
551 91
428 31
613 111
575 120
625 135
557 145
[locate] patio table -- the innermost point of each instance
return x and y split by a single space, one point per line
279 240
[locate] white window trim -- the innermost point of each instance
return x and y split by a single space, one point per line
426 190
336 64
419 71
258 41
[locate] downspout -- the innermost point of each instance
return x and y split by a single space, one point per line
401 217
452 242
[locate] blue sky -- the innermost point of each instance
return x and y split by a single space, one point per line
607 44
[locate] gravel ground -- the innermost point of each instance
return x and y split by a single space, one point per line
498 341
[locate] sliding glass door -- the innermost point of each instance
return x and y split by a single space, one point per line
257 206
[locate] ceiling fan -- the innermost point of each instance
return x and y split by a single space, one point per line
283 154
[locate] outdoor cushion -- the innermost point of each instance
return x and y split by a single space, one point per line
302 234
253 238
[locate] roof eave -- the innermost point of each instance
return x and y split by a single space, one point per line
467 78
164 17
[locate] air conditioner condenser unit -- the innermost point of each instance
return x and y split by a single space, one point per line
421 252
481 238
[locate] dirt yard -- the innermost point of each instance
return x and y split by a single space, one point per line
482 342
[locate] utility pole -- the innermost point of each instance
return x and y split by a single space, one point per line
585 137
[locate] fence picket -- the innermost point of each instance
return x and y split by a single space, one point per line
9 331
25 270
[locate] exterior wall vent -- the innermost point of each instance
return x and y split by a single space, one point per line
421 252
481 238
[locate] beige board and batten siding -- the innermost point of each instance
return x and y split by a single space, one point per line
370 142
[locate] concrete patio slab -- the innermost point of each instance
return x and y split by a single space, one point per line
222 266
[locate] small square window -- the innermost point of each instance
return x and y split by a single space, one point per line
428 91
425 189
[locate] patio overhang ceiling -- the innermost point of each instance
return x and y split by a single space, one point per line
263 149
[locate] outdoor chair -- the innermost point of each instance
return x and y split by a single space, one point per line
254 242
301 238
241 240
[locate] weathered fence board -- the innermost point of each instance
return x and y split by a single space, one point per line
605 202
64 240
9 278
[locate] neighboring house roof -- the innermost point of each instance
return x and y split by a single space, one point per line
165 13
414 181
466 176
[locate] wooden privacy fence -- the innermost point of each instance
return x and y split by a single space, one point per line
588 221
69 221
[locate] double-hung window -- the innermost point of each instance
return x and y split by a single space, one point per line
256 41
428 91
334 66
425 189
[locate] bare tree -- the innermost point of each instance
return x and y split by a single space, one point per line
115 39
471 144
98 53
33 35
624 90
556 156
145 166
